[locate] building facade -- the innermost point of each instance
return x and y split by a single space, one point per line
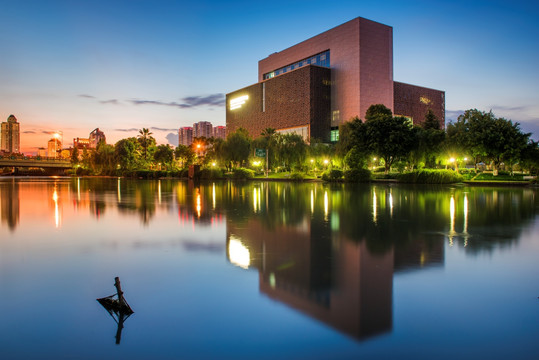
339 74
96 136
54 147
10 138
219 132
203 129
185 136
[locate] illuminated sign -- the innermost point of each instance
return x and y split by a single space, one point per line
425 100
236 103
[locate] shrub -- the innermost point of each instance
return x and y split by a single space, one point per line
490 177
357 175
430 177
242 173
296 176
332 175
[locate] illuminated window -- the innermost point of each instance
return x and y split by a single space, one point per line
334 135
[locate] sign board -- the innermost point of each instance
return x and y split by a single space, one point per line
260 152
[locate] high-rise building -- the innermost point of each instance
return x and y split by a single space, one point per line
313 87
203 129
219 132
10 136
54 148
96 136
185 136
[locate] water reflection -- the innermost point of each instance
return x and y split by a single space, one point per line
9 203
329 251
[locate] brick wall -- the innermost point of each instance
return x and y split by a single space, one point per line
360 49
298 98
414 101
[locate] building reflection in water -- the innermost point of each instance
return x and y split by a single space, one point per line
10 203
316 266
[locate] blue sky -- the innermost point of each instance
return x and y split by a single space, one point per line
123 65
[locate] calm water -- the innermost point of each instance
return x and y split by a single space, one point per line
267 270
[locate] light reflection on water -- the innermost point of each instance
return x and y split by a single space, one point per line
342 270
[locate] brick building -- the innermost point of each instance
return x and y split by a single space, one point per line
313 87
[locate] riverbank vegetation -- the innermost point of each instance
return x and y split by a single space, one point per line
478 146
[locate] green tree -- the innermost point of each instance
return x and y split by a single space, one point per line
431 121
145 140
486 137
125 153
103 159
388 137
292 150
75 156
377 110
164 155
184 155
237 147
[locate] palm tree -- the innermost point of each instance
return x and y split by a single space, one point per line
144 140
268 133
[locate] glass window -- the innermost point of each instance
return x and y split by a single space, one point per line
334 135
321 59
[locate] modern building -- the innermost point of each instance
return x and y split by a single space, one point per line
219 132
96 136
203 129
91 141
313 87
81 143
54 148
10 137
185 136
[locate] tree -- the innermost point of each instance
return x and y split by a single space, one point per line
376 111
103 159
184 155
75 156
125 153
237 147
291 150
164 155
384 135
484 136
145 140
429 140
431 121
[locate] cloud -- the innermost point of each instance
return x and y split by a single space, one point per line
29 132
127 130
210 100
173 138
162 129
495 108
112 101
187 102
86 96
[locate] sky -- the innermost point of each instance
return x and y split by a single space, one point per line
121 66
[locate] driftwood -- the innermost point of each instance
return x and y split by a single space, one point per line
117 307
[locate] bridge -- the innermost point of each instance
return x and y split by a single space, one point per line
50 165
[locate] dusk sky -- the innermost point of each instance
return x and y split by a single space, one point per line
72 66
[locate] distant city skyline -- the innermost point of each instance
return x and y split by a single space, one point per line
123 66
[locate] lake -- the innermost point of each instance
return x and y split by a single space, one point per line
267 270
